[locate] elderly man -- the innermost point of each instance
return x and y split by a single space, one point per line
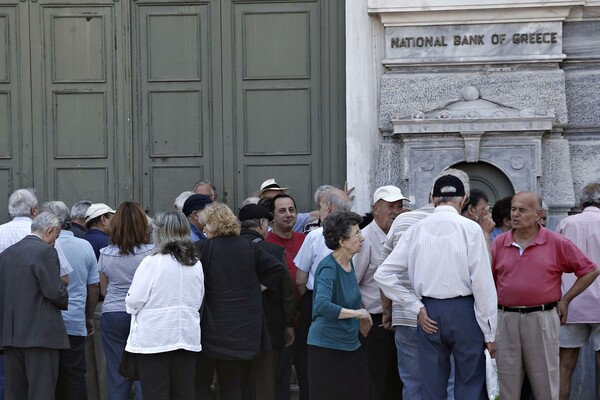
32 330
83 292
279 305
446 258
78 226
379 345
403 320
97 219
192 208
528 263
307 260
207 188
583 320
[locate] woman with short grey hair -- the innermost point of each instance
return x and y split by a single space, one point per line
164 300
337 366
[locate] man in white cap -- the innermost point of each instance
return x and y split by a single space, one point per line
97 219
379 345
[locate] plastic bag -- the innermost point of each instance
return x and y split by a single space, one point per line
491 377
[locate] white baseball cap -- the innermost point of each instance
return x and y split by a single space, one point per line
96 210
389 194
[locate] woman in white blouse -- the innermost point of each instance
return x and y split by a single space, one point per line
164 300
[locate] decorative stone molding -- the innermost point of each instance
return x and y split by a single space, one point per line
447 12
472 130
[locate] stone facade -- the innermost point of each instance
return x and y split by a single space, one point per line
536 61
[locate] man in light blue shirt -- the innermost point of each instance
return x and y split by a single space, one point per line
83 296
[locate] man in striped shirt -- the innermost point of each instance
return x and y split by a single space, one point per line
448 265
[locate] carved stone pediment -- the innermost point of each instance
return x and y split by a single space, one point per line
473 114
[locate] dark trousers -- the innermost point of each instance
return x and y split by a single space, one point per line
232 377
263 370
459 334
339 375
380 350
284 373
71 383
300 346
168 375
30 373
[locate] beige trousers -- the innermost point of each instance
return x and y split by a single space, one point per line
528 343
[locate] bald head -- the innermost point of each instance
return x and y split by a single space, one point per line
526 210
334 200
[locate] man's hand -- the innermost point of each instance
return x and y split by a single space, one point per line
563 311
427 325
386 321
289 336
491 347
89 325
487 223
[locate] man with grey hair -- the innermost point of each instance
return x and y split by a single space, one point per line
78 211
83 296
583 320
22 207
207 188
307 260
32 330
446 258
180 200
321 190
404 321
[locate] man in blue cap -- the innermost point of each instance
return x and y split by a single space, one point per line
192 208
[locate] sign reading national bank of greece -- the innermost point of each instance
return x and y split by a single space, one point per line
469 44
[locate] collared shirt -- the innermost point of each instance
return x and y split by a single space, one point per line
583 230
446 256
119 268
98 239
534 277
496 232
81 256
403 316
311 253
195 233
15 230
366 263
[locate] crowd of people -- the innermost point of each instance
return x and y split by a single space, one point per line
99 303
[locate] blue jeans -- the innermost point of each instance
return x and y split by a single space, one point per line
115 330
408 363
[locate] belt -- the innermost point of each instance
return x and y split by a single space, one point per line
527 309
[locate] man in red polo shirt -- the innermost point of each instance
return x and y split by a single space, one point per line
527 263
285 214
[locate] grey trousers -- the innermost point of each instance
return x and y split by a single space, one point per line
30 373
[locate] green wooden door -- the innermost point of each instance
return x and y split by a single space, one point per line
78 115
238 92
15 111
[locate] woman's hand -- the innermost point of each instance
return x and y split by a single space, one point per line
365 321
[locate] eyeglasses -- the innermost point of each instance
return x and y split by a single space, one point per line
357 234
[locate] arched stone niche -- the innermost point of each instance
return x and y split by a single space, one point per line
469 130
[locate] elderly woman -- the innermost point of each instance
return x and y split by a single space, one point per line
232 318
117 264
336 363
164 300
